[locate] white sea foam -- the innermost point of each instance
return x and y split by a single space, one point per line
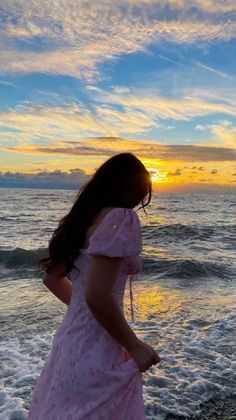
21 363
185 305
195 344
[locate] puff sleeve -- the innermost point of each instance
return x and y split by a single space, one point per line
118 235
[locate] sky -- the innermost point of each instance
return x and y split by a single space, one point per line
81 81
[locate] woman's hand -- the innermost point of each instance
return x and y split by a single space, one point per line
144 355
107 312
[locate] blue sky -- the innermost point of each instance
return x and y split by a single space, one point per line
82 80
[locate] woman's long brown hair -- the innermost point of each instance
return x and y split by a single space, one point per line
121 181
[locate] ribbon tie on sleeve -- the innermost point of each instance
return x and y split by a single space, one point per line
132 277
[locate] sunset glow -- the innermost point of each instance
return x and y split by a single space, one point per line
79 84
157 176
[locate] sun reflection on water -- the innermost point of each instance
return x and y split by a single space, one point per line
151 301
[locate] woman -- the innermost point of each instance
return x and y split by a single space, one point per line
94 368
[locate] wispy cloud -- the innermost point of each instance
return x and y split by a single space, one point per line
5 83
212 70
72 121
56 122
118 112
163 57
79 36
153 105
223 132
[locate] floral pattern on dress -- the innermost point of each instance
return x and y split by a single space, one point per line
87 374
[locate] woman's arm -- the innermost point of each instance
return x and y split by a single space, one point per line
107 312
102 304
59 285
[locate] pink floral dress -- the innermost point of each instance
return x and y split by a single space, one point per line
87 373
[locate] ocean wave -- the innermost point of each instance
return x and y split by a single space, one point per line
179 231
20 257
160 267
185 268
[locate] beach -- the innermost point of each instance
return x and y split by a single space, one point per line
184 301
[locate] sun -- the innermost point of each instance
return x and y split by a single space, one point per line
156 175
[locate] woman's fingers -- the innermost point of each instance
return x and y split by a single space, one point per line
156 358
145 356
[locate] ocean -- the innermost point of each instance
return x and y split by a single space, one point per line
184 298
